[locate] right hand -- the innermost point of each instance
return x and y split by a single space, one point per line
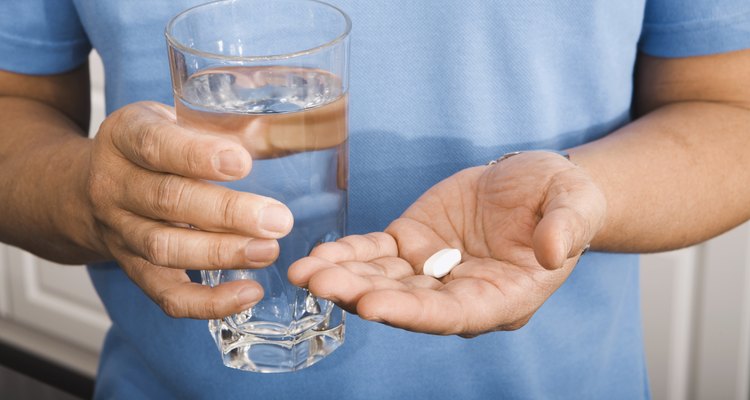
521 226
146 188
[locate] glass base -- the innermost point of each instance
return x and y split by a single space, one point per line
277 353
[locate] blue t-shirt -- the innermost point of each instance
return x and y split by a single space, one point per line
435 87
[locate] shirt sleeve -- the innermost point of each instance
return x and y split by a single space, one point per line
41 37
684 28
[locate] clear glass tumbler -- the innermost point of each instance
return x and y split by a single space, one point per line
272 75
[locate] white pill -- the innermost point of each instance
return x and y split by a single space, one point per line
441 263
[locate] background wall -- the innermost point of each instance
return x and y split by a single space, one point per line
696 309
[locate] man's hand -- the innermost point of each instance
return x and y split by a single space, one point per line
146 190
520 225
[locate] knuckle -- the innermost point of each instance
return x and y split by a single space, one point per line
172 305
323 249
100 180
102 202
195 156
147 144
128 113
374 243
137 131
98 187
170 193
157 247
176 307
230 209
210 308
124 117
221 253
110 124
118 128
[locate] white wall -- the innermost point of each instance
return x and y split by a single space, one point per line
696 316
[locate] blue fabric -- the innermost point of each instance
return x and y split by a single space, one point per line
41 37
703 27
435 87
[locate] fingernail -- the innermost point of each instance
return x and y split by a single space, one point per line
229 162
261 250
248 296
275 218
374 318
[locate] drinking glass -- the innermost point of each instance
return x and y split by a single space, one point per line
272 75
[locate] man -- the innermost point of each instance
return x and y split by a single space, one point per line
437 89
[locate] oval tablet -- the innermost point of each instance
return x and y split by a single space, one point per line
441 263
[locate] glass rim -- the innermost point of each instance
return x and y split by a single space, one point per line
173 42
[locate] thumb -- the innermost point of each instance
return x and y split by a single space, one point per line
571 215
147 134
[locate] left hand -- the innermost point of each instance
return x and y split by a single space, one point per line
520 224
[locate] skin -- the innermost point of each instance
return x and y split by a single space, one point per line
492 214
674 177
129 193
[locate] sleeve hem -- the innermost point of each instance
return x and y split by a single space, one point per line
695 38
36 57
697 25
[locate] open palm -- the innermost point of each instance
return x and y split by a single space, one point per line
520 225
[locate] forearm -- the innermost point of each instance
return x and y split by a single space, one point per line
675 177
43 171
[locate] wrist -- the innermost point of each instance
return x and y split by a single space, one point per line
75 219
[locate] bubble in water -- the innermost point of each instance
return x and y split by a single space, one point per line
211 90
249 90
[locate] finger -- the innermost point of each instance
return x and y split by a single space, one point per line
570 218
460 307
524 283
301 271
169 246
417 242
358 248
345 287
556 235
422 281
147 134
178 297
207 206
388 267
